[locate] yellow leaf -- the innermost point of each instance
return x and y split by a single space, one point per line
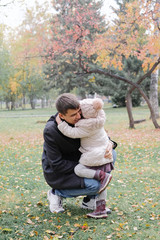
147 225
121 225
40 204
29 221
67 223
31 234
69 214
120 213
77 225
50 232
59 227
6 230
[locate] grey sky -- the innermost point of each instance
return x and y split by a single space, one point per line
13 14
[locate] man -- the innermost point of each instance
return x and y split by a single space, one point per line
61 155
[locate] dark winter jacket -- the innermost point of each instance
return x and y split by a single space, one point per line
60 156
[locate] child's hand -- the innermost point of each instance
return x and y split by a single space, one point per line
58 120
108 153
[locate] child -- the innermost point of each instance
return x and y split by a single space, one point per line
94 142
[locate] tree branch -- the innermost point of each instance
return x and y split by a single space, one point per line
134 85
146 75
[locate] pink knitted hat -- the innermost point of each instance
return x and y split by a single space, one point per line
90 107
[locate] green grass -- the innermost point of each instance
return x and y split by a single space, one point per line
133 194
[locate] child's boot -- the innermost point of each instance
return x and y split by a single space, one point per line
100 211
104 178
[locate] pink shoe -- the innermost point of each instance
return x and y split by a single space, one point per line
105 182
100 211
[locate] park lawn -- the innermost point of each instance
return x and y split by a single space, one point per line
133 194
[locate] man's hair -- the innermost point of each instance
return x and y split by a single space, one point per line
66 101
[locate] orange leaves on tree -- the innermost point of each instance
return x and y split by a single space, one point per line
134 32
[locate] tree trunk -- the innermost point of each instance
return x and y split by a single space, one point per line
33 103
23 102
155 123
42 102
7 105
154 74
134 85
129 110
154 93
13 105
153 117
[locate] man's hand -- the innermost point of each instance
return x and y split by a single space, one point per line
108 153
58 120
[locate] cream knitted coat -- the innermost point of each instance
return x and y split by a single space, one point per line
94 139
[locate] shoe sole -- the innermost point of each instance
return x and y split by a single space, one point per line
59 211
107 183
100 216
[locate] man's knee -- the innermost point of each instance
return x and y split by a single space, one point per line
92 185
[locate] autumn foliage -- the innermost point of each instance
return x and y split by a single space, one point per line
73 39
135 32
74 25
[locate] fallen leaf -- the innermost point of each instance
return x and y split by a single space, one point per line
69 214
120 213
7 230
45 238
50 232
29 221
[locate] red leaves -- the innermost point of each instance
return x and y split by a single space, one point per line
73 27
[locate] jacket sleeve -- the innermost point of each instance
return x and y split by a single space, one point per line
73 132
93 123
54 155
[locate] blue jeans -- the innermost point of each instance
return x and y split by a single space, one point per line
91 187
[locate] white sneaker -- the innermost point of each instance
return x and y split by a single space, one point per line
89 204
108 210
55 202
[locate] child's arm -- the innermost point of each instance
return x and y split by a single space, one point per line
73 132
93 123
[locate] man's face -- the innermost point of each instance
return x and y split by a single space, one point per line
72 116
